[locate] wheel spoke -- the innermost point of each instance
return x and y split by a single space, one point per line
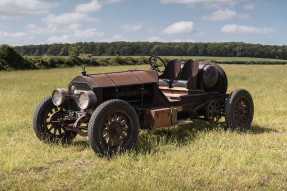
54 121
115 130
53 131
105 136
61 131
50 129
123 122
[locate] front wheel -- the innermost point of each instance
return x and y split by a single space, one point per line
49 124
239 110
113 128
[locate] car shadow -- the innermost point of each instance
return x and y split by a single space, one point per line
184 133
81 145
257 129
149 141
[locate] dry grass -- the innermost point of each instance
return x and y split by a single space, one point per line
194 156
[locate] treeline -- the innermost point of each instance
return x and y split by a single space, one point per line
46 62
10 59
161 49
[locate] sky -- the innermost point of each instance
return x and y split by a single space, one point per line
25 22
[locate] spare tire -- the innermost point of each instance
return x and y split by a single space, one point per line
212 78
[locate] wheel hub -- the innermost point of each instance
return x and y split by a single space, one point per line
55 122
116 130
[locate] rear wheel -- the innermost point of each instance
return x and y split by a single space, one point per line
113 128
239 110
49 124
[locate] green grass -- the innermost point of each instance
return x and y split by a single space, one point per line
234 59
214 58
217 58
195 156
222 60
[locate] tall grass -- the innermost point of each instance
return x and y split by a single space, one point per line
194 156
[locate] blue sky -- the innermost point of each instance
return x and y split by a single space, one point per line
59 21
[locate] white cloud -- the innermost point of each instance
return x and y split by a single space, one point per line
221 15
34 29
65 23
195 1
12 34
111 1
15 38
66 27
75 20
242 29
58 39
88 33
155 39
182 40
132 28
162 39
92 6
76 36
69 27
24 7
72 26
67 19
118 37
180 27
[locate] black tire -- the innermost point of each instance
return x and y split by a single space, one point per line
104 130
46 131
239 110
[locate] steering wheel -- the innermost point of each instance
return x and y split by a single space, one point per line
157 64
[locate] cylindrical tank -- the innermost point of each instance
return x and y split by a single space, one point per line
212 78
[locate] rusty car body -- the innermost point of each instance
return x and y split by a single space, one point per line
110 108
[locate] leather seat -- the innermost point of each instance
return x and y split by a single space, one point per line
177 76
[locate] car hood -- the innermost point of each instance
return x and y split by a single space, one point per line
115 79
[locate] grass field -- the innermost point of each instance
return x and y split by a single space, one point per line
195 156
42 62
215 58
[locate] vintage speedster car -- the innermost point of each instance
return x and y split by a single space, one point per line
110 108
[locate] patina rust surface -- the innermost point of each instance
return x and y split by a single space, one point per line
132 77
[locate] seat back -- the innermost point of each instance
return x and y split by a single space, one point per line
189 73
172 70
177 76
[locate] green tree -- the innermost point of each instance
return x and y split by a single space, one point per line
9 58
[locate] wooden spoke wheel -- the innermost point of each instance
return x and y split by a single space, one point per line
49 123
113 128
